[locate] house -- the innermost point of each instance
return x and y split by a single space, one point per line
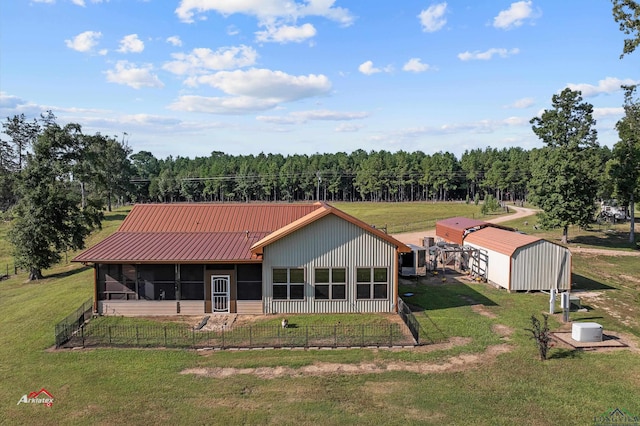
192 259
517 261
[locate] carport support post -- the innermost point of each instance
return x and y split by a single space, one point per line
552 301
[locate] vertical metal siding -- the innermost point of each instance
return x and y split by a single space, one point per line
329 242
541 266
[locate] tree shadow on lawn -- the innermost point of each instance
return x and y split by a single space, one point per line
69 272
604 238
581 282
114 217
561 353
443 296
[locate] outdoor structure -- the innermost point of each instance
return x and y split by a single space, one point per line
517 261
454 229
192 259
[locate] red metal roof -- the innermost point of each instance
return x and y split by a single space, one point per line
454 228
499 240
172 247
171 233
317 214
213 217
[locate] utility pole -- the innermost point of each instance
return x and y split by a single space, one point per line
318 185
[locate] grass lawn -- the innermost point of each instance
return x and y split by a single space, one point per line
408 217
488 373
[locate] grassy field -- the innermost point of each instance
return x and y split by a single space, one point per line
408 217
482 369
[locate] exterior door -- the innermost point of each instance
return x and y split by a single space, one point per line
220 286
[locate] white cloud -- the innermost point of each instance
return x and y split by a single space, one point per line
415 65
174 41
514 16
45 1
133 76
348 128
218 105
322 115
286 33
432 18
251 91
266 10
367 68
616 112
266 84
76 2
202 60
232 30
84 42
488 54
522 103
608 85
131 44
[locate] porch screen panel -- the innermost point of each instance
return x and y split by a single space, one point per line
192 282
249 282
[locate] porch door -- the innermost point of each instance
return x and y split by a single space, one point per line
220 293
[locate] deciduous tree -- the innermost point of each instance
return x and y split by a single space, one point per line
627 14
48 218
563 181
624 167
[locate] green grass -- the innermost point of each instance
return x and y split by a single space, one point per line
143 386
602 236
408 217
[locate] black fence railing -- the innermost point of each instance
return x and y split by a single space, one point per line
409 319
72 324
95 333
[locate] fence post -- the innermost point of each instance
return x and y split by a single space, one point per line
165 335
390 334
137 340
109 333
222 337
362 330
250 338
306 337
335 335
82 333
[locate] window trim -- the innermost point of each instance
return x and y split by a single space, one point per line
372 283
289 284
331 283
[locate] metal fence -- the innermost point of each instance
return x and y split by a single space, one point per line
409 319
92 334
70 326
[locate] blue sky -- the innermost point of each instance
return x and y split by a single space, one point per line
185 78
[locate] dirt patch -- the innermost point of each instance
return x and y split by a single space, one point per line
503 331
481 309
455 363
